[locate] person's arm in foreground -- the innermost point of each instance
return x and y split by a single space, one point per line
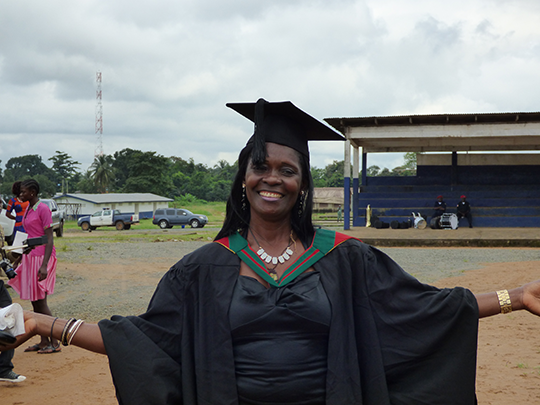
88 336
524 297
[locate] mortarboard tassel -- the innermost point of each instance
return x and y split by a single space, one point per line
258 155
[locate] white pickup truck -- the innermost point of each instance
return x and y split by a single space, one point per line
107 217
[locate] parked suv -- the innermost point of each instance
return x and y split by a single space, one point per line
168 217
58 217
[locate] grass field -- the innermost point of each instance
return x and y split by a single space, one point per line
215 211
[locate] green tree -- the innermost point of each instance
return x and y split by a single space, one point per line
408 168
86 183
385 172
318 176
410 159
5 188
199 185
224 171
148 173
28 166
102 173
334 173
180 182
201 182
373 170
47 187
220 191
181 165
65 169
120 164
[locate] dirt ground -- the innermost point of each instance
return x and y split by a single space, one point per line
508 354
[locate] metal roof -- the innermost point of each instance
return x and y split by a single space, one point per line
117 198
434 119
510 131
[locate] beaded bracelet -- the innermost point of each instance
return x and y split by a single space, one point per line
504 301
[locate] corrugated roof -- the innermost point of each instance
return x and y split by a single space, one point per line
434 119
117 197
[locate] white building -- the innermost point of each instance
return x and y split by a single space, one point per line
327 199
143 204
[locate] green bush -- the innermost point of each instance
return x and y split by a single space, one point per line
187 199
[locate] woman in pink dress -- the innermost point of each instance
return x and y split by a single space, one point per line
36 275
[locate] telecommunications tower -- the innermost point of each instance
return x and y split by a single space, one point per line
99 116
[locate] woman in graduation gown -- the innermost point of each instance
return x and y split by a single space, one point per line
277 312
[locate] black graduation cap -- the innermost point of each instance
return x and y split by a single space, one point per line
282 123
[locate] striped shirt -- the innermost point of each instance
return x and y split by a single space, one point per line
19 208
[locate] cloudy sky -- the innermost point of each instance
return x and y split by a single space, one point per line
169 66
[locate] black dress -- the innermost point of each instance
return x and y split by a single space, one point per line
280 341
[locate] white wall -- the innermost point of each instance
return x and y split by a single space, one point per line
88 208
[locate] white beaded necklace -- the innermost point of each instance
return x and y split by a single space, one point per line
282 258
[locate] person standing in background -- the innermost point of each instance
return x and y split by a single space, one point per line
36 275
15 204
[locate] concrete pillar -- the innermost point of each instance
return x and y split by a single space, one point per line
355 186
347 186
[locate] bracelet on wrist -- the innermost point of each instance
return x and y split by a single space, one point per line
504 301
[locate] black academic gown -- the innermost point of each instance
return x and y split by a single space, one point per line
393 340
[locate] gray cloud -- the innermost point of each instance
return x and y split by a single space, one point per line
169 67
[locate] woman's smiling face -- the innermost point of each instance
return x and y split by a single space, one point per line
273 187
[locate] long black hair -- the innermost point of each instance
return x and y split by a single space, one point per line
238 214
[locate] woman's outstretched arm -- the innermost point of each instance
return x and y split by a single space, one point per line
524 297
88 336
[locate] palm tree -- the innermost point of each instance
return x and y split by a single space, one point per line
102 172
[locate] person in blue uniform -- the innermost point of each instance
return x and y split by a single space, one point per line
439 207
275 311
464 210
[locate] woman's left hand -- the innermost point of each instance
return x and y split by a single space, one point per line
42 273
530 297
525 297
